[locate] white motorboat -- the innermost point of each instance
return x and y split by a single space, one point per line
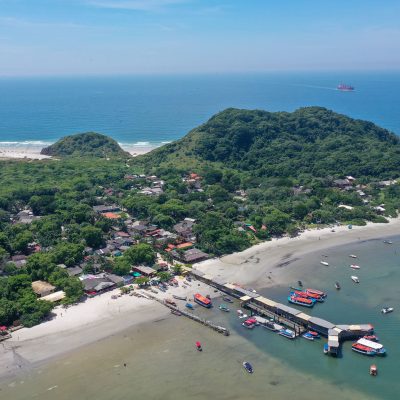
386 310
355 279
325 263
352 256
354 266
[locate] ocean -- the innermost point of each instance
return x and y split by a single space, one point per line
152 110
162 362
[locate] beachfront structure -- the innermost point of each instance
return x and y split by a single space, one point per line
42 288
145 271
54 297
287 315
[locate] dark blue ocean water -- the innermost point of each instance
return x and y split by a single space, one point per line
163 108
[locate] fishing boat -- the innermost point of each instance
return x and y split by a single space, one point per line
337 285
366 350
203 301
176 312
179 297
189 306
306 295
301 301
223 307
354 266
373 370
387 242
315 291
198 346
324 263
345 88
307 336
272 326
314 334
170 302
227 299
247 366
373 338
355 279
352 256
376 347
386 310
287 333
248 324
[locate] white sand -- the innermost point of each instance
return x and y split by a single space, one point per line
85 323
260 265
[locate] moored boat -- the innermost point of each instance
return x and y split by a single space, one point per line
287 333
227 299
170 302
376 347
352 256
179 297
354 266
306 295
223 307
189 306
373 338
373 370
324 263
359 348
300 283
248 324
301 301
355 279
203 301
386 310
314 334
176 312
198 346
318 292
248 367
387 242
307 336
337 285
326 348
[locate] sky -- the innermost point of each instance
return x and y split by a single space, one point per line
112 37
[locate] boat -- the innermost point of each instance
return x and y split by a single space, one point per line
315 291
354 266
352 256
179 297
198 346
373 338
307 336
366 350
267 324
176 312
247 366
387 242
386 310
223 307
203 301
300 283
376 347
170 302
345 88
189 306
337 285
324 263
373 370
287 333
248 324
301 301
227 299
306 295
326 348
355 279
314 334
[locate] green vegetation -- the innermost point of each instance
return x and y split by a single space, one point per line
88 144
257 175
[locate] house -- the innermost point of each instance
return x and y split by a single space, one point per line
111 215
190 256
101 209
94 285
145 271
185 229
387 183
118 280
54 297
19 261
26 217
74 271
42 288
341 183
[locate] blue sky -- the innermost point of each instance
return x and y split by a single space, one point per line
95 37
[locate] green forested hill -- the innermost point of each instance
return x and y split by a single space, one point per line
88 144
310 141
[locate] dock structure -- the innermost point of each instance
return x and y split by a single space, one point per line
289 316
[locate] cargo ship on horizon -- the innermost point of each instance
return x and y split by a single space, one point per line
345 88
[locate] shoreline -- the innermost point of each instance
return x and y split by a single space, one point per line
31 151
264 265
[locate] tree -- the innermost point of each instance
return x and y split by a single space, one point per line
92 235
164 276
68 253
141 253
121 266
21 241
142 281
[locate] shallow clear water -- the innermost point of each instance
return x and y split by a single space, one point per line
156 109
162 362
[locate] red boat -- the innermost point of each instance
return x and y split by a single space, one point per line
198 346
317 292
373 338
345 88
359 348
307 295
203 301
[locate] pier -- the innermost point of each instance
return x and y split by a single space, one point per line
289 316
209 324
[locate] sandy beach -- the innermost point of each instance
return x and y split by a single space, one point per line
263 265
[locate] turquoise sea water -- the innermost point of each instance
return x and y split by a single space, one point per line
142 109
162 362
